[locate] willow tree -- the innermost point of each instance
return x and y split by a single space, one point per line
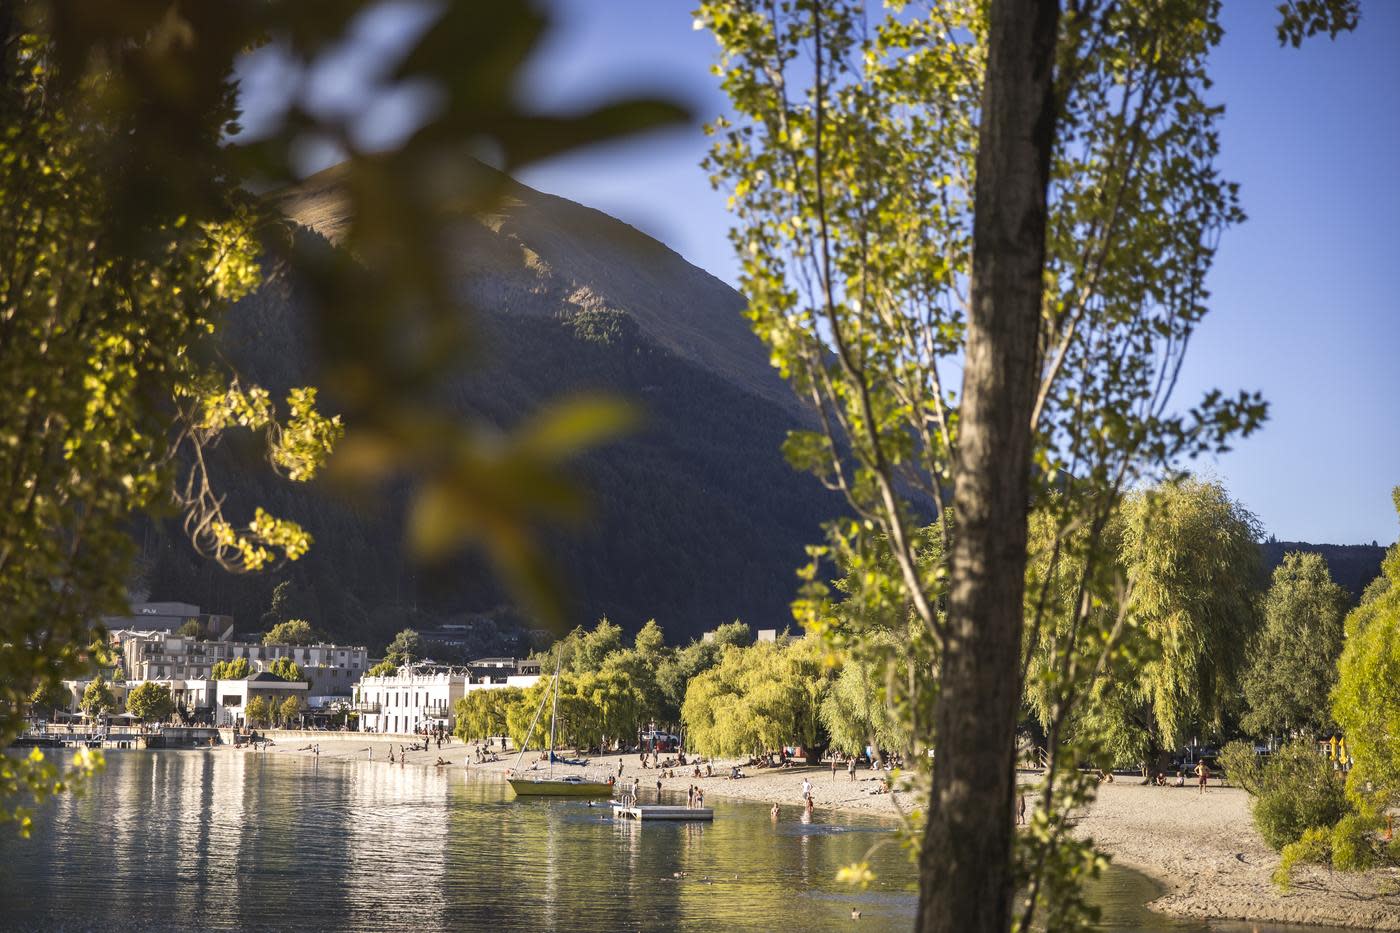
1186 613
1030 195
1293 661
481 714
757 699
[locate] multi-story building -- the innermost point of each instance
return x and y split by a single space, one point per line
425 696
170 617
330 670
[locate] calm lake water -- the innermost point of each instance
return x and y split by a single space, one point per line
225 840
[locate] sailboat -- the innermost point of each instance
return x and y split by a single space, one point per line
538 784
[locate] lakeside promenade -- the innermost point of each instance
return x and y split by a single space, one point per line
1202 848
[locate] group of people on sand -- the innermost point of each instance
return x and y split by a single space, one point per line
1202 772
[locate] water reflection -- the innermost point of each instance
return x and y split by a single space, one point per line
235 840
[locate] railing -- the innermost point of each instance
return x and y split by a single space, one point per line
365 707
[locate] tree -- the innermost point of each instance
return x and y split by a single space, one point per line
191 629
291 632
404 648
944 190
639 671
47 700
150 702
234 669
757 698
288 710
650 641
288 602
128 227
1187 559
1366 700
481 714
97 699
384 668
856 712
258 712
734 633
287 669
591 649
1293 661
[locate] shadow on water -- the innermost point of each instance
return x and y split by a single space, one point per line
234 840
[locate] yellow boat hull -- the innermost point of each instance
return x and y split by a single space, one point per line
526 787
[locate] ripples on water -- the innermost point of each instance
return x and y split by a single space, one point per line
235 840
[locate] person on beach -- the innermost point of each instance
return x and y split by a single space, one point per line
851 768
806 788
834 763
810 804
1202 773
391 754
1021 809
1180 778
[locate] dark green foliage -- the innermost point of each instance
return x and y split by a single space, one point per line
696 517
1353 566
405 648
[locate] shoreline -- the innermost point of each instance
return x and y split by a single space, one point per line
1203 849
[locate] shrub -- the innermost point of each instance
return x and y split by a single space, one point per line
1313 847
1295 791
1242 766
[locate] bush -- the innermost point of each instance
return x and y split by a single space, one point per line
1294 791
1242 766
1313 847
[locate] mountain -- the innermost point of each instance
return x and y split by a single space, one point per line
698 519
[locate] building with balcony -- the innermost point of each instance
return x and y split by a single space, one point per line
425 696
330 670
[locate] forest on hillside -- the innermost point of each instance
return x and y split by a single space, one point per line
697 519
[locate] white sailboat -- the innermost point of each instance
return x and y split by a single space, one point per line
531 783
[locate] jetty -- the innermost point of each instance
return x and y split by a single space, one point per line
627 808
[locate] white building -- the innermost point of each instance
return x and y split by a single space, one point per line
420 697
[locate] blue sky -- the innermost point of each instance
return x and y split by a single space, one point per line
1306 299
1306 296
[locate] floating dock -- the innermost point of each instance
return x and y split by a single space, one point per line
659 812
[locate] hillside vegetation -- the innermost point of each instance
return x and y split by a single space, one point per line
697 518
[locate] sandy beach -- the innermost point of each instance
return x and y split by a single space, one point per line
1203 848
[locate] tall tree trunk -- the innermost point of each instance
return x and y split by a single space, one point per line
965 877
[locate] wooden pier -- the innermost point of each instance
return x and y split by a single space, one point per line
627 808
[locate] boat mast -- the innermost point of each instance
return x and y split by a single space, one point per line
525 745
554 713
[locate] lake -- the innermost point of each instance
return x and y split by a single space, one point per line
235 840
